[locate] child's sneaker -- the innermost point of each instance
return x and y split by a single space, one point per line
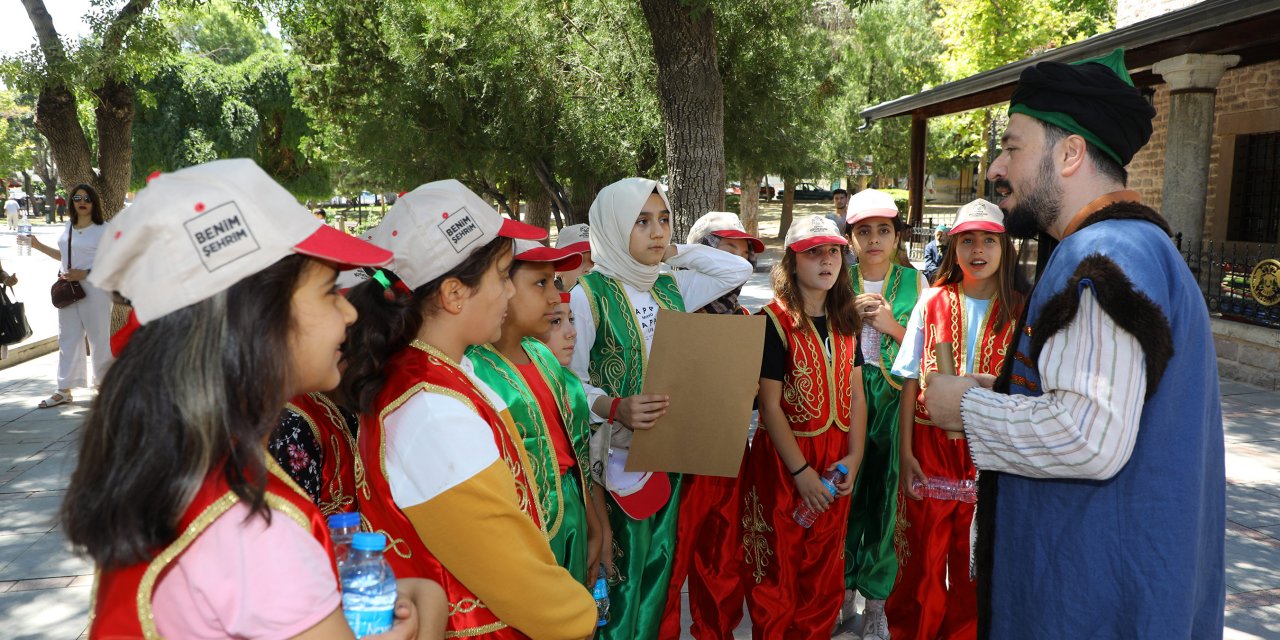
875 626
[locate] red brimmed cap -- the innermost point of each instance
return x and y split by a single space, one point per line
639 493
564 297
978 215
722 224
811 231
564 259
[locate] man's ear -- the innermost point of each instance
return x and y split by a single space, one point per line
1071 151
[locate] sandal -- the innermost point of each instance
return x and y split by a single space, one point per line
56 399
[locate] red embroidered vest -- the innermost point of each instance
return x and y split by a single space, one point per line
416 368
944 321
816 391
121 603
341 468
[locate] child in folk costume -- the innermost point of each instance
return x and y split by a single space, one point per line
964 325
709 537
615 309
232 286
315 443
447 477
885 293
814 417
548 406
561 337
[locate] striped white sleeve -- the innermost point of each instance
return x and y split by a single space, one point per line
1094 378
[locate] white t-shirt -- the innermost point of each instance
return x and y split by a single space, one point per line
11 208
84 245
907 364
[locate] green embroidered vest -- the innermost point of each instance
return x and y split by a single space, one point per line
618 357
501 375
902 290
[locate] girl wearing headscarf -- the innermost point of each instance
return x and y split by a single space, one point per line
616 309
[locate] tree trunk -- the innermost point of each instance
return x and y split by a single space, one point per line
691 97
560 204
583 194
538 211
749 211
788 203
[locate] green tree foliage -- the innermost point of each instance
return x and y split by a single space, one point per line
227 94
17 135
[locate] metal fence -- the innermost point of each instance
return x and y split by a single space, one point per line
1224 271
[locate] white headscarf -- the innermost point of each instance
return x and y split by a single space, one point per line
612 216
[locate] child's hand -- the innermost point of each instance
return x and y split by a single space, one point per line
908 470
642 411
812 490
845 488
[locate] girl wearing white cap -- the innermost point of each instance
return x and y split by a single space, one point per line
615 308
814 418
575 238
709 540
447 476
964 325
885 293
196 532
548 407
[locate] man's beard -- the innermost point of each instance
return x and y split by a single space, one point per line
1037 208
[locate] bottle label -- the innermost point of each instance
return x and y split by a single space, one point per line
368 622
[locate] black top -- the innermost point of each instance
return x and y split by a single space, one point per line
773 365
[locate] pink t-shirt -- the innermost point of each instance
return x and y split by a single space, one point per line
247 580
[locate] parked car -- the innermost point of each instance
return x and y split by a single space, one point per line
767 192
734 189
810 191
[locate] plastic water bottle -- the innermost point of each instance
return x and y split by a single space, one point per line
341 527
24 238
368 586
806 516
601 593
946 489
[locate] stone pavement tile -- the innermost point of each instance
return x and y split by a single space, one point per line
1249 428
45 614
1249 599
1261 623
11 454
50 556
32 515
28 430
13 545
1274 532
1252 559
1267 401
1250 507
1248 463
36 584
1232 388
51 474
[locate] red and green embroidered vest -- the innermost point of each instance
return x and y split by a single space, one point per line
816 390
618 357
501 375
902 291
341 468
944 320
121 602
422 368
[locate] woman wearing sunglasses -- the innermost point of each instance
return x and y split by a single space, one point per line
89 316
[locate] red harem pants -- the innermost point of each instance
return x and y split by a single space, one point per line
709 555
794 576
934 597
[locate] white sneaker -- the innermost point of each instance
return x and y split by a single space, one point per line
847 610
846 635
875 625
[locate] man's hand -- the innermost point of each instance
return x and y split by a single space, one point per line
942 397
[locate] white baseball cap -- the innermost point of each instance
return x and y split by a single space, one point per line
195 232
575 237
870 203
978 215
725 225
811 231
437 226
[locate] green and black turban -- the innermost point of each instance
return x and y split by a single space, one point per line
1093 98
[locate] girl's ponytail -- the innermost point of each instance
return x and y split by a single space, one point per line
390 316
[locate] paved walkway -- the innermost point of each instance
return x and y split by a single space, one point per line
44 587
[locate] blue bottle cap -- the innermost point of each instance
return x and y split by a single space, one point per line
344 520
843 469
368 542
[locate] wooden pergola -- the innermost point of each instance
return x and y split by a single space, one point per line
1247 28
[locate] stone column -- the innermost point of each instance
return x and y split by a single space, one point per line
1193 80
